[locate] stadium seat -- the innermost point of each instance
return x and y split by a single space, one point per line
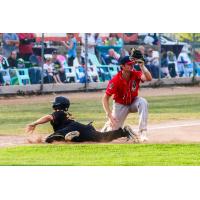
19 76
6 76
188 70
104 73
3 62
113 69
103 70
23 77
35 75
198 68
80 73
93 74
70 72
62 60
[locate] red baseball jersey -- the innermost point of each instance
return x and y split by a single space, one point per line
124 91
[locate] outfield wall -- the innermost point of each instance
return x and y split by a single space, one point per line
77 87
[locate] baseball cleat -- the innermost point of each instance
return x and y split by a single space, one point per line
133 136
54 137
69 136
143 136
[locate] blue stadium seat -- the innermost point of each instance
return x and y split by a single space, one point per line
6 76
103 70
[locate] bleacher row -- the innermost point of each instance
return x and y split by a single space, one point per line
96 72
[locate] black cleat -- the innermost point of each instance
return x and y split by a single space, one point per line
131 135
55 137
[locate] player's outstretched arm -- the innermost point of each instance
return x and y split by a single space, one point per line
31 127
105 102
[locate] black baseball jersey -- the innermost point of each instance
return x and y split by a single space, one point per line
63 125
60 120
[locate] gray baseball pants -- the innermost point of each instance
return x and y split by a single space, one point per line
120 112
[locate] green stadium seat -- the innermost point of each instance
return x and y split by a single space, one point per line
19 76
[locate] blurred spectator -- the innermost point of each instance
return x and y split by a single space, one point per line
112 57
20 63
1 39
50 74
112 40
197 55
12 59
10 43
184 64
142 50
155 38
164 65
34 60
1 73
130 38
148 39
151 39
153 62
98 40
71 46
123 53
26 45
197 61
171 61
1 79
91 46
58 68
4 62
119 41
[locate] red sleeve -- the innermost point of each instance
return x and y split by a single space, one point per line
111 88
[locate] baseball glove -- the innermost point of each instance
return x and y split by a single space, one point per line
136 54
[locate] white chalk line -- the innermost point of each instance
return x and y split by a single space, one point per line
174 126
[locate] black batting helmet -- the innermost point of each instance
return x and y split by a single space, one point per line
61 103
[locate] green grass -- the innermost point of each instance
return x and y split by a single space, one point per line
13 118
102 155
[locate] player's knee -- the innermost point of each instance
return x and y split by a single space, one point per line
144 102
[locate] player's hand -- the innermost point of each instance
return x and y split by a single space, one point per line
113 120
30 128
140 63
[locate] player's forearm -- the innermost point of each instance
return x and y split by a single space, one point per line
146 73
106 106
42 120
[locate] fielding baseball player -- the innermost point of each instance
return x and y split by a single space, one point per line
124 89
66 129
